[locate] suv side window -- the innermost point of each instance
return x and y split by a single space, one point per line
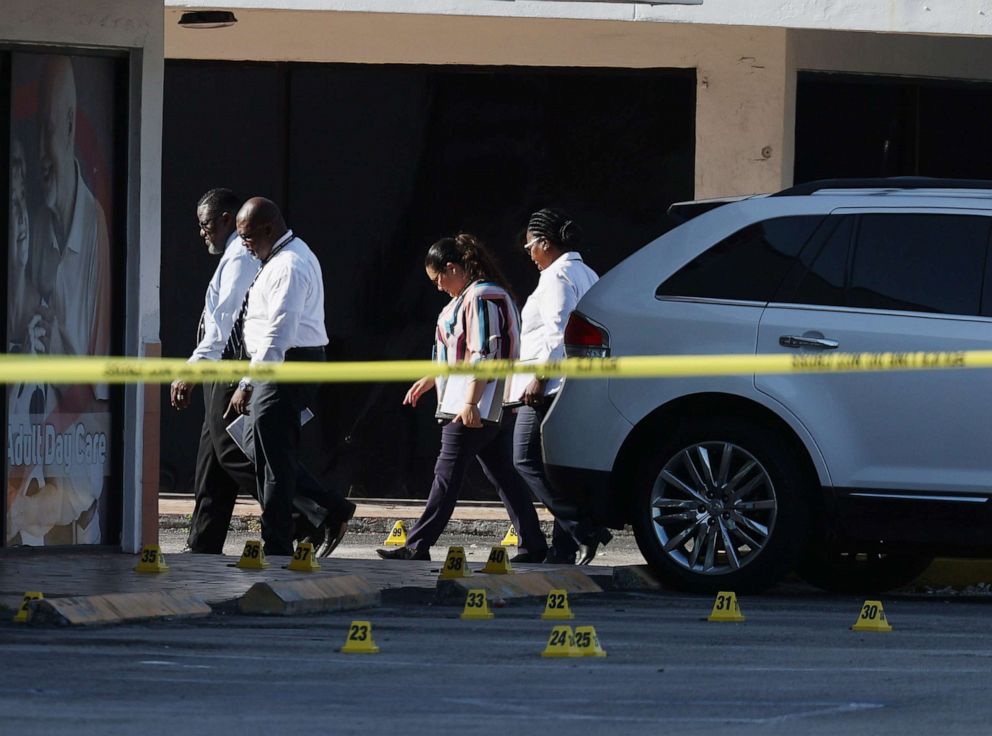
822 274
919 263
747 266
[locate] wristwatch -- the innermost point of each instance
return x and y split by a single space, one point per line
245 385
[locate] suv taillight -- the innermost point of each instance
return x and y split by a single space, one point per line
585 339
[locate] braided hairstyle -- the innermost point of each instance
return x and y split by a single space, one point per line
467 251
556 227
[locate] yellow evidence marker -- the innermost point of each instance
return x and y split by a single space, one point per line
455 565
726 607
587 642
498 562
556 608
872 618
397 537
253 556
359 639
477 606
303 558
510 539
150 559
21 617
561 643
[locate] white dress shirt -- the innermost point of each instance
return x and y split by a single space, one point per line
286 303
543 319
225 296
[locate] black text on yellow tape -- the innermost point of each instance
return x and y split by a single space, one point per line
96 370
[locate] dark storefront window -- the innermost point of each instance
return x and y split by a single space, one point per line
63 273
867 126
373 163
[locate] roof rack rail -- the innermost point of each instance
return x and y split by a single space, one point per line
894 182
684 211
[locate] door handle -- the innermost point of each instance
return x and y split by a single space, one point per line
801 341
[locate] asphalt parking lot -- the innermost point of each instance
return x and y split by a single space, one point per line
793 666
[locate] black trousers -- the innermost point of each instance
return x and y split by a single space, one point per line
492 446
572 526
222 470
279 476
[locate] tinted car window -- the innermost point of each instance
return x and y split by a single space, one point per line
823 277
920 263
749 265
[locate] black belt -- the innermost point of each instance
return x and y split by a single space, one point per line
306 354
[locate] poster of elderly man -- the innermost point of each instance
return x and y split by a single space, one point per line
59 285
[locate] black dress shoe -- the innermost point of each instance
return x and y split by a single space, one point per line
587 552
403 553
334 529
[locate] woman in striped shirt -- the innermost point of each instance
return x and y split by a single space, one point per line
479 323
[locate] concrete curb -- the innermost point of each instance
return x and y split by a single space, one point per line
517 585
955 573
309 595
115 608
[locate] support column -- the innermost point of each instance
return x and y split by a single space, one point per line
745 114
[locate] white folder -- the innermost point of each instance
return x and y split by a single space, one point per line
456 389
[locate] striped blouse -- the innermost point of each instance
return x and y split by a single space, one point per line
481 323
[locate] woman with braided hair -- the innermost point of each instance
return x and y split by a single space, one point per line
479 323
551 239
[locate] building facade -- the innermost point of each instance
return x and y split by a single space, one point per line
380 125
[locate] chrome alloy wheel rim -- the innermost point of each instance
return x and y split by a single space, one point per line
714 508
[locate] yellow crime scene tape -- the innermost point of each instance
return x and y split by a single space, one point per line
53 369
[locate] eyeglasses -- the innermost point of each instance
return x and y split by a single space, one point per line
250 236
437 279
532 243
208 224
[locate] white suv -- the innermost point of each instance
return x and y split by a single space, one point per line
854 480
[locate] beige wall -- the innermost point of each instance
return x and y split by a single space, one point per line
742 143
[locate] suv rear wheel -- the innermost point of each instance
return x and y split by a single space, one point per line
722 505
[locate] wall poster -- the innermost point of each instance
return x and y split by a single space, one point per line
60 296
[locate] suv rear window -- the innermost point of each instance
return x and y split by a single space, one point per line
904 262
747 266
919 263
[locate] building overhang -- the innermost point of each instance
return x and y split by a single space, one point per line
959 18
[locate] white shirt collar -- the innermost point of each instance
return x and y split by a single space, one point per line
560 262
287 236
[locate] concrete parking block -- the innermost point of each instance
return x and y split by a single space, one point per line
635 577
309 595
536 584
116 608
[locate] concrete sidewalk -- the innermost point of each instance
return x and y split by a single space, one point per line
374 516
180 505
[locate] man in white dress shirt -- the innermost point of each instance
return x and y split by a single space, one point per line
284 320
222 469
